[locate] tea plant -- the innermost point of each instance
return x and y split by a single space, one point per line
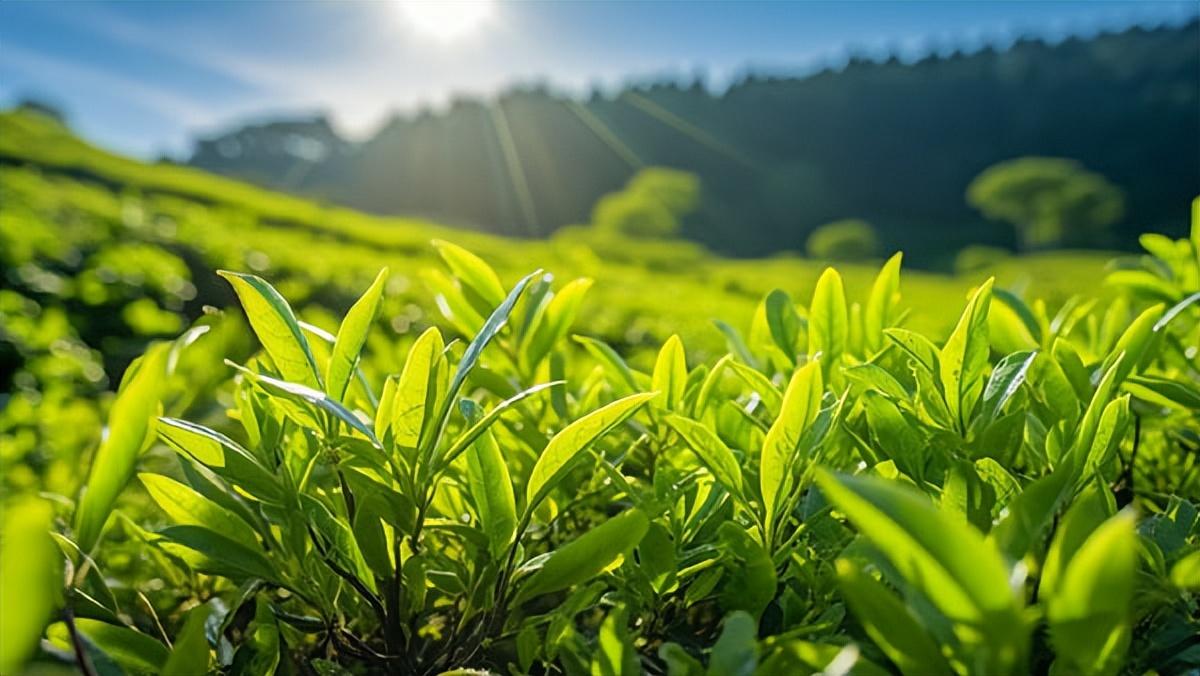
838 493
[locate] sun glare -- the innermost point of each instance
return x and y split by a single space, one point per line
445 20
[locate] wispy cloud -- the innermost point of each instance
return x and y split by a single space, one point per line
70 74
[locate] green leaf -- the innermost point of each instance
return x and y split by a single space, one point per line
895 436
207 552
1030 512
1136 343
258 655
1162 391
772 398
750 581
387 403
419 391
678 661
472 271
1093 506
782 322
588 555
336 538
190 655
31 579
964 357
221 455
491 327
670 375
1004 382
612 362
1089 613
130 427
558 456
1021 324
801 402
276 327
916 346
1089 426
828 322
187 507
553 321
943 558
888 622
881 304
736 651
1185 574
452 302
870 377
657 557
351 337
803 657
735 342
307 396
615 654
713 452
485 422
131 649
490 486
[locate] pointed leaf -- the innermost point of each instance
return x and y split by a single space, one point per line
588 555
558 456
352 336
276 327
130 426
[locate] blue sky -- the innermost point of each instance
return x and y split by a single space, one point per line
144 78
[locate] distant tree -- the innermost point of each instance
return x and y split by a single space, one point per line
1051 201
652 204
851 239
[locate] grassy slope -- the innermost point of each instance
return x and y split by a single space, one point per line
643 291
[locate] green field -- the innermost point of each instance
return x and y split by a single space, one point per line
102 254
376 445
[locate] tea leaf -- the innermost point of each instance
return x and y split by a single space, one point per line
801 402
587 556
419 391
190 653
31 580
474 273
889 623
828 322
490 486
881 304
565 447
713 452
131 649
963 358
187 507
553 322
1089 612
945 559
130 428
351 337
276 327
670 375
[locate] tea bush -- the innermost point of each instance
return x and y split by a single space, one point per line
838 493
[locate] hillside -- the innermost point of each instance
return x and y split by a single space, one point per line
65 202
894 143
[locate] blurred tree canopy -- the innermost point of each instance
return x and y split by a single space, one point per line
892 141
1051 201
651 205
850 239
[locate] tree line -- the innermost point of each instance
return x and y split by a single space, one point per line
889 142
